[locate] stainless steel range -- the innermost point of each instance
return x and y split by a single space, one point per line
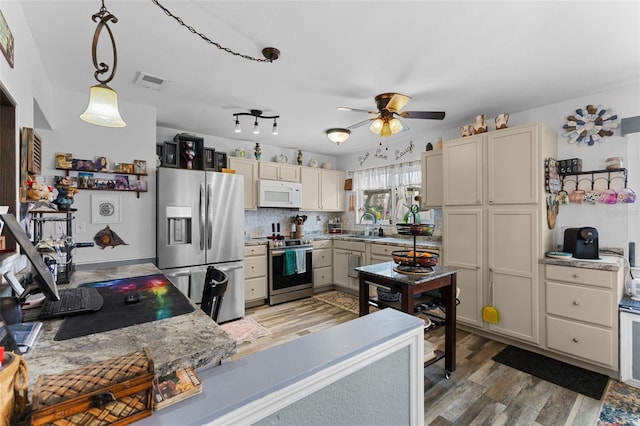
285 285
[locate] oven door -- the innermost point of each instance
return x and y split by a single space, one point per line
280 283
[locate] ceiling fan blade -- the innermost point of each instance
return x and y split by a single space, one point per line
356 110
360 124
429 115
397 102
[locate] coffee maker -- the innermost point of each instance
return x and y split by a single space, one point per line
582 242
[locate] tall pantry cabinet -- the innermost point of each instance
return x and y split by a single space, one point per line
495 228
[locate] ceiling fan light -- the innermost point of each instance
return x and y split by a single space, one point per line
103 107
256 128
338 135
376 126
395 125
386 130
237 129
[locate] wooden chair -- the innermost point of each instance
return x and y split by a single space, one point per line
215 285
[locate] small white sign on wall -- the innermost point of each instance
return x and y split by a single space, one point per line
106 208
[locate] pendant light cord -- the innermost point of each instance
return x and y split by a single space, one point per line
270 56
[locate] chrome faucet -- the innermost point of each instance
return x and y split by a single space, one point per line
368 215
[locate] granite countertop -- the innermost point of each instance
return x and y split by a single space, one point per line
605 263
192 339
386 270
390 240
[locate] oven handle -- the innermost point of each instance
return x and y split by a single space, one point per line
281 252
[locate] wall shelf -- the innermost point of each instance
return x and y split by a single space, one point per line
593 176
111 184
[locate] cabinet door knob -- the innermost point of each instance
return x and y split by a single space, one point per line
576 276
575 340
575 303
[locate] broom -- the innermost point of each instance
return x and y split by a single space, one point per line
490 313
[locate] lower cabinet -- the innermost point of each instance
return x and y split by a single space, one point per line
582 313
255 274
347 255
322 264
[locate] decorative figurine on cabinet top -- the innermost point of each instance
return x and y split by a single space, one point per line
480 126
257 151
299 157
189 154
501 121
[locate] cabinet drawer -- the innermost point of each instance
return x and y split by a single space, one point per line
321 244
595 277
581 303
349 245
322 276
583 341
255 250
255 288
321 258
384 249
255 267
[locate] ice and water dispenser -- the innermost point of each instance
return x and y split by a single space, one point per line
179 225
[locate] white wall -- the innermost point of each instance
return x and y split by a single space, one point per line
617 224
86 141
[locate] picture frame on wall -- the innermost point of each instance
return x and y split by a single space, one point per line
6 40
140 167
106 208
220 160
209 163
170 152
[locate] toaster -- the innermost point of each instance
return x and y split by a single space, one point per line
582 242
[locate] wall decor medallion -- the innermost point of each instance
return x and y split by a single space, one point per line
106 209
590 125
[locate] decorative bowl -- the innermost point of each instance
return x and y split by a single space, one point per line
417 258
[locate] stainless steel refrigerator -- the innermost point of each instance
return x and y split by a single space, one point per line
200 222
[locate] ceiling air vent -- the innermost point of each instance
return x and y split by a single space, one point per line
151 81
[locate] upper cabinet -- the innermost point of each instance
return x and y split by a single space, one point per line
279 171
248 169
462 171
322 189
432 191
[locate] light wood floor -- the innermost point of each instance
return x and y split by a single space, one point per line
480 391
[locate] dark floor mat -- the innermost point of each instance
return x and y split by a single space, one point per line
560 373
160 300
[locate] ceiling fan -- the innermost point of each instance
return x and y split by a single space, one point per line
387 122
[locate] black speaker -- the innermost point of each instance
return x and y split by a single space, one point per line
632 254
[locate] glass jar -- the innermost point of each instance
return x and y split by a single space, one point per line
614 163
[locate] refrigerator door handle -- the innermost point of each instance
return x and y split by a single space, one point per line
230 268
202 216
210 216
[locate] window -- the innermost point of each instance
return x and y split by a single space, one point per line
385 194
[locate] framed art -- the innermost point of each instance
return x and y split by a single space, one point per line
220 160
6 40
209 159
106 208
170 152
140 167
101 164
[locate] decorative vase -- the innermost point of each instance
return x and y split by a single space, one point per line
257 151
299 157
480 126
501 121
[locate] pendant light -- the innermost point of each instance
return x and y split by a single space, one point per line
103 100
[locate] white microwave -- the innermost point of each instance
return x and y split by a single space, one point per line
274 193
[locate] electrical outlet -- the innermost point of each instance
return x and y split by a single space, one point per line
81 227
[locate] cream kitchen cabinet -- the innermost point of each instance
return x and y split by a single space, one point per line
495 230
248 169
322 264
347 255
322 190
432 189
255 274
279 171
581 316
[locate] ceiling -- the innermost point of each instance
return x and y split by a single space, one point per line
464 58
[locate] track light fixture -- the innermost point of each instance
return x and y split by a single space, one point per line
256 113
